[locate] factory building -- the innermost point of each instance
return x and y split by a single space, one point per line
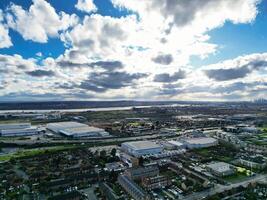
20 129
173 145
75 129
200 142
141 148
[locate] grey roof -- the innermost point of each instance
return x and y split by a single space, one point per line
139 145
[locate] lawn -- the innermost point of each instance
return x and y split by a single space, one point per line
236 177
215 153
241 174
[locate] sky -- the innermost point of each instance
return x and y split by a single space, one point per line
196 50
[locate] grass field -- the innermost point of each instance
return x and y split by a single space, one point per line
235 178
241 174
207 152
34 152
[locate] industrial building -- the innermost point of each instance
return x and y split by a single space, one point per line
200 142
19 129
75 129
173 144
256 162
221 169
141 148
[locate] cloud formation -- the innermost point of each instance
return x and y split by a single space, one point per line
39 22
87 6
41 73
165 77
131 56
163 59
99 82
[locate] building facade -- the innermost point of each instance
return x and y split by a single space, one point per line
132 188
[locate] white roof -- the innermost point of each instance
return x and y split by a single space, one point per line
74 128
139 145
64 125
81 130
200 140
176 143
219 166
13 125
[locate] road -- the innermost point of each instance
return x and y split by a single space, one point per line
43 140
221 188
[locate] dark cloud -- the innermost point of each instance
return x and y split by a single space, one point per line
100 82
228 74
70 64
165 59
110 65
257 64
41 73
67 86
107 65
165 77
236 72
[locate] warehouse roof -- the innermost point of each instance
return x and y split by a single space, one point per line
64 125
219 166
139 145
80 130
200 140
175 143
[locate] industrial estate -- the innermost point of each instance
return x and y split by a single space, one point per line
188 152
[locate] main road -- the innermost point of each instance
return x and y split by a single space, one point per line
221 188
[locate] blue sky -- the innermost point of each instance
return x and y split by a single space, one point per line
144 44
239 39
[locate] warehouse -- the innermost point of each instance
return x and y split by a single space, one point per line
75 129
15 126
141 148
221 169
173 144
20 129
200 142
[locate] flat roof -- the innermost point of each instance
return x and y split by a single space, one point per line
14 124
66 124
84 129
176 143
200 140
219 166
139 145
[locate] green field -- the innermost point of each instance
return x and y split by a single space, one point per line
241 174
33 152
217 155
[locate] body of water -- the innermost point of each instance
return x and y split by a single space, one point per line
84 109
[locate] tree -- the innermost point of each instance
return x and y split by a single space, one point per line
141 161
103 154
113 152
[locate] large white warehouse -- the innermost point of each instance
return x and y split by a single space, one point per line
200 142
19 129
141 148
75 129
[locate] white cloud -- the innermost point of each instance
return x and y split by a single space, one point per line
86 6
157 44
5 40
40 22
